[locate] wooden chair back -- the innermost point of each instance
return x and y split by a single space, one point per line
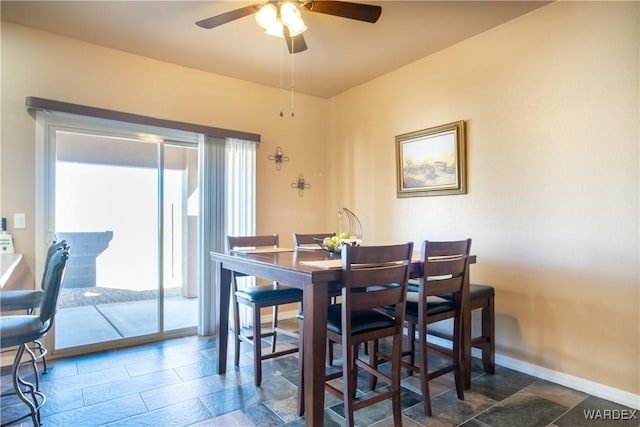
375 277
237 242
444 268
300 239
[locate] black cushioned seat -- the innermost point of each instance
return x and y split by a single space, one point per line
361 321
267 292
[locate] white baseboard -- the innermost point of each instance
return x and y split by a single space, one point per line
599 390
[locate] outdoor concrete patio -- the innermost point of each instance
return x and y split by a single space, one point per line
81 325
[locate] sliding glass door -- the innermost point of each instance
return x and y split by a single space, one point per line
128 205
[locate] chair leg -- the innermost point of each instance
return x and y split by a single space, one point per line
257 346
43 351
488 331
457 357
424 369
412 346
274 324
348 366
395 377
18 383
34 366
236 331
301 372
373 361
330 352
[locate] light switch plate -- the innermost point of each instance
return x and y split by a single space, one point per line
19 220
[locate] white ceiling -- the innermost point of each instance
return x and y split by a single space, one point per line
342 53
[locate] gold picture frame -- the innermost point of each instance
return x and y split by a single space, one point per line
432 162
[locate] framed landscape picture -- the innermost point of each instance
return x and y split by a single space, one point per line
432 162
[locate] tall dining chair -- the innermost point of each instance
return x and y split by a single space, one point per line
20 330
30 299
444 272
374 277
257 297
304 240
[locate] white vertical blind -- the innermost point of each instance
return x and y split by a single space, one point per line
241 200
212 228
241 187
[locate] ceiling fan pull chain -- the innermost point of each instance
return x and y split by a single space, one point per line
281 76
293 40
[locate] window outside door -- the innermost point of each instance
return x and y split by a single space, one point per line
128 207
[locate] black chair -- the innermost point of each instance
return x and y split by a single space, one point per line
30 299
20 330
374 277
444 271
258 297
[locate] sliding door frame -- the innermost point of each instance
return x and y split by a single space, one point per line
47 124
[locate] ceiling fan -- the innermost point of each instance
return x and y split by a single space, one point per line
282 18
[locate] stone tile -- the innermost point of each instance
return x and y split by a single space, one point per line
287 409
159 362
474 422
87 379
182 391
502 384
99 414
60 369
62 400
232 399
449 410
262 416
235 418
182 414
522 409
595 412
202 368
276 387
556 393
129 386
388 422
379 411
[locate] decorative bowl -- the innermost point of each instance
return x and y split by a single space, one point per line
335 245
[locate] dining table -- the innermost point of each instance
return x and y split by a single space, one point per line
318 274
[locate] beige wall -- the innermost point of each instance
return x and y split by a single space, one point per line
552 112
40 64
551 103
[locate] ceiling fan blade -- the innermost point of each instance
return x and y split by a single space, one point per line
295 44
223 18
357 11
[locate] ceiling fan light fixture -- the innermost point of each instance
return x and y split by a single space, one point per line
275 29
289 13
297 28
267 16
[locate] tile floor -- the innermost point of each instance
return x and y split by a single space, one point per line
173 383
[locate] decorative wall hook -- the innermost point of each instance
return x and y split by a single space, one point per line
278 157
300 185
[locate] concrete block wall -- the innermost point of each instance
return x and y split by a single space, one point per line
85 248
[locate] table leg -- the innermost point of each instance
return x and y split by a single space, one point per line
315 339
223 319
466 333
